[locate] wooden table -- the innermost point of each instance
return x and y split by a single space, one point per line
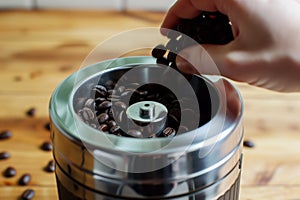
41 48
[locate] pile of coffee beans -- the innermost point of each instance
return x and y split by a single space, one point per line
207 28
105 109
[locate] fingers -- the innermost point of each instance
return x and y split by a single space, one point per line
203 59
182 9
188 9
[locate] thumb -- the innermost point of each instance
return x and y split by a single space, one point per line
203 59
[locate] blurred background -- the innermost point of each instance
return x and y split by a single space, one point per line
158 5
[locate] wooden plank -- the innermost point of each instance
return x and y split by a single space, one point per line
41 193
279 192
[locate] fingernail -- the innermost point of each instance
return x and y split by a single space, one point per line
164 31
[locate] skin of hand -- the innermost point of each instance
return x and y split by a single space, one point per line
265 51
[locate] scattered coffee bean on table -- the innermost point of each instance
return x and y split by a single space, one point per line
9 172
5 135
28 194
46 146
47 126
4 155
50 167
24 180
248 143
31 112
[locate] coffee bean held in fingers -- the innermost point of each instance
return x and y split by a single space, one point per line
24 180
4 155
28 194
46 146
9 172
5 135
207 28
162 61
159 51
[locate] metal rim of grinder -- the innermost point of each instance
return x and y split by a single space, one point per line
209 168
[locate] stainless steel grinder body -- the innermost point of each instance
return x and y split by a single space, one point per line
201 164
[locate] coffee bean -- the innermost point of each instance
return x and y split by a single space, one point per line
25 179
169 132
87 114
100 91
28 194
47 126
99 100
4 155
110 92
159 51
9 172
90 103
105 105
114 129
135 133
248 143
113 98
110 113
103 127
162 61
5 135
111 123
50 167
46 146
31 112
103 117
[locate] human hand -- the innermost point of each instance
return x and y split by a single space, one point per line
265 51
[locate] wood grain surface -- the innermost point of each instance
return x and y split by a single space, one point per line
41 48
